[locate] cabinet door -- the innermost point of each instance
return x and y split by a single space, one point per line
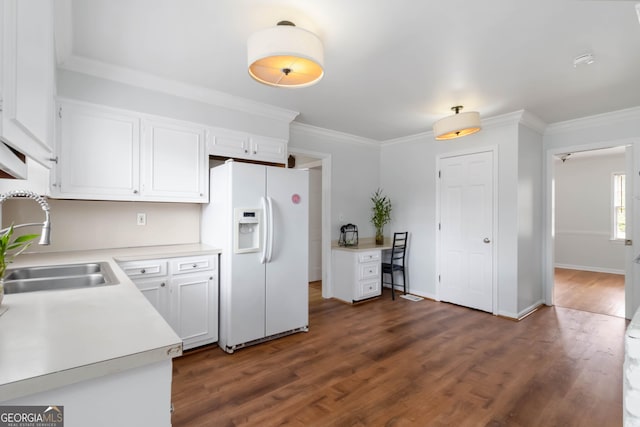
99 152
229 145
194 308
155 291
28 77
269 149
174 162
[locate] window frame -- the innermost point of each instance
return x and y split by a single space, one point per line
614 206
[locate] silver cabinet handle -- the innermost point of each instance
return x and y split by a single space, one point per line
486 240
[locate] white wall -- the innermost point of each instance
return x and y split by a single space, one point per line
354 174
408 174
583 189
530 220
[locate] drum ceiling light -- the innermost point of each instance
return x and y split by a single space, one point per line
460 124
285 56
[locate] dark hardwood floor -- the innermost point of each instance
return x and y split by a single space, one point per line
403 363
589 291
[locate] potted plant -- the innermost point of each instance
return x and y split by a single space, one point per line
9 249
381 214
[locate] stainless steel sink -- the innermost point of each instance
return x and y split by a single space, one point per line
54 271
55 277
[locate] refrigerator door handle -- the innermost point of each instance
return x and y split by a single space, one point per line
270 227
265 230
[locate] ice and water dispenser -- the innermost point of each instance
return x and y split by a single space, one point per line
246 229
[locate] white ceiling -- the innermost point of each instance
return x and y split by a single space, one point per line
392 68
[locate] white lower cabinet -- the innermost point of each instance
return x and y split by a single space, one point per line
184 291
356 274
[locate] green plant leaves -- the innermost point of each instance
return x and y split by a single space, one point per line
10 249
381 209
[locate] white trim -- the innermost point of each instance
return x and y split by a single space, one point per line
612 210
590 268
334 135
606 234
196 93
533 122
521 116
594 121
327 285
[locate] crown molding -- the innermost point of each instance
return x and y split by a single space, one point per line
520 116
333 134
409 138
594 121
533 122
196 93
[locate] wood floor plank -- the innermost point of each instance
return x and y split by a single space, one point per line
590 291
404 363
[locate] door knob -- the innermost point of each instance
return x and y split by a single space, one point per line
487 240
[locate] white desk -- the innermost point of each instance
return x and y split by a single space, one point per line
357 271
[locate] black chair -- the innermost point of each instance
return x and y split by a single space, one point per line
396 263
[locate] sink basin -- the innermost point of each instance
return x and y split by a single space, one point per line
54 271
55 277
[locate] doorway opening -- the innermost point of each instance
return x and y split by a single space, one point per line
589 230
319 166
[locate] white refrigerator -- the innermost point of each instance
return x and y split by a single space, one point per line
259 216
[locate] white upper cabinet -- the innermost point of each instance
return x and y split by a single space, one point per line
174 161
110 154
27 85
269 149
243 146
98 154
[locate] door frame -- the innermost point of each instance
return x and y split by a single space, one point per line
493 149
325 158
632 270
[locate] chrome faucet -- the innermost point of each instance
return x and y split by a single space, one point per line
45 237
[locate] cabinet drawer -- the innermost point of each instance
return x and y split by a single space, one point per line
369 256
368 271
369 288
143 269
192 264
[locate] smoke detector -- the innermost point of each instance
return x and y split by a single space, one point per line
585 59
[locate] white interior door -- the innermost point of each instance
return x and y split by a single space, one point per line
466 230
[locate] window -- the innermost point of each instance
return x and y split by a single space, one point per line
618 206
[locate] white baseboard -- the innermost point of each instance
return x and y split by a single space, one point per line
589 268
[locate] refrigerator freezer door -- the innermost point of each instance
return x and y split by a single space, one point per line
242 305
287 293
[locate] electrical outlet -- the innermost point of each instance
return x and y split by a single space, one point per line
142 219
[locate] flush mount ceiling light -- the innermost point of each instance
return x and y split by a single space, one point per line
460 124
285 56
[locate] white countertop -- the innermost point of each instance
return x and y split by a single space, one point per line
364 244
54 338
